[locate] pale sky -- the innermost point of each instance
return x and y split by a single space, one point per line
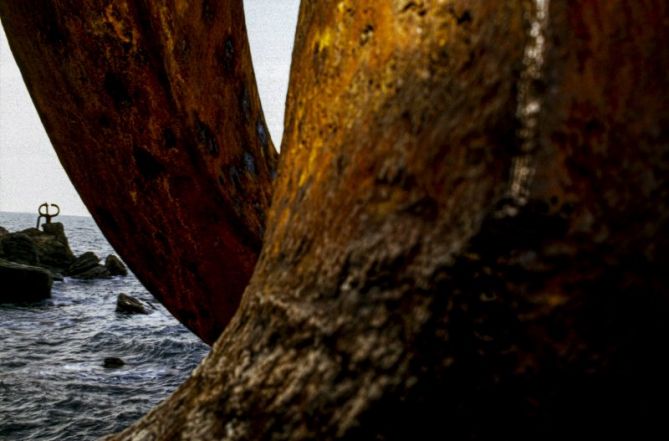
30 173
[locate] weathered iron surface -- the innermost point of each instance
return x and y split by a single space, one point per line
153 110
468 236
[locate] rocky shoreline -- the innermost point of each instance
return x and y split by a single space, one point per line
31 260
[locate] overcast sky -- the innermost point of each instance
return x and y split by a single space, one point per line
29 169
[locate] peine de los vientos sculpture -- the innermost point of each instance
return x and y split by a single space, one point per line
466 235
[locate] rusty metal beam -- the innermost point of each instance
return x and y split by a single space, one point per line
153 110
468 236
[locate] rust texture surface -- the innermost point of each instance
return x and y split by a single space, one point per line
467 237
153 110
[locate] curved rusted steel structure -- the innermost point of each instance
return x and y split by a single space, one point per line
153 110
468 236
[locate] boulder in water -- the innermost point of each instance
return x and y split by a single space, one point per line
23 283
83 263
19 248
53 248
48 249
113 363
97 272
115 266
129 305
87 266
57 230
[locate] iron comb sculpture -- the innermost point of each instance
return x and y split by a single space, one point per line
43 212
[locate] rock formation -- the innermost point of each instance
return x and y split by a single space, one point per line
113 363
115 266
53 247
87 266
19 248
23 283
468 233
129 305
49 250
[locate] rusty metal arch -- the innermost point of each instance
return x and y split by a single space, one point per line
471 209
153 110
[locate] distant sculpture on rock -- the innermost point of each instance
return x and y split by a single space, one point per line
25 254
43 211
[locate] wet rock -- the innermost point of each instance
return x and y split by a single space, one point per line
53 248
47 249
96 272
83 263
57 230
23 283
19 248
115 266
113 363
87 267
50 250
3 231
129 305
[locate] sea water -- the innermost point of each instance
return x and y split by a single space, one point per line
53 385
